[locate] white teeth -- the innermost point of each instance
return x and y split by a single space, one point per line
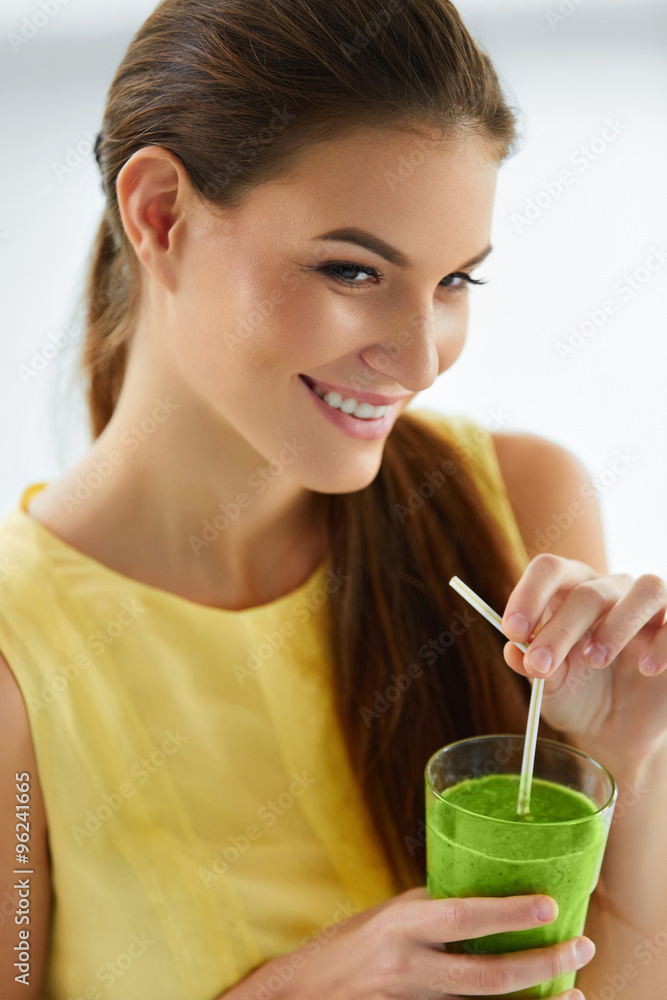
365 411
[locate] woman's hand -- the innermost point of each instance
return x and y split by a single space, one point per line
394 951
603 640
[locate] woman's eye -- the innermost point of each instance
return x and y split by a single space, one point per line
456 281
459 279
334 270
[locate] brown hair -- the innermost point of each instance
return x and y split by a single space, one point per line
325 68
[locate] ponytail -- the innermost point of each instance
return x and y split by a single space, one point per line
109 309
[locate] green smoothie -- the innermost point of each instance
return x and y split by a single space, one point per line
477 845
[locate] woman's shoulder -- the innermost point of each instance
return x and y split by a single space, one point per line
16 545
549 489
553 496
36 545
44 502
537 470
20 528
56 518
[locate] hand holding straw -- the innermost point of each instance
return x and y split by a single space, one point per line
530 743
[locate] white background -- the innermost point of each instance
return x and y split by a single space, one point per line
569 73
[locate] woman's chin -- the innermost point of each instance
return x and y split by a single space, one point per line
343 480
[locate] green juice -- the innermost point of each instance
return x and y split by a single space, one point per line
477 845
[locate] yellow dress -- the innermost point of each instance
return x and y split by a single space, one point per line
201 814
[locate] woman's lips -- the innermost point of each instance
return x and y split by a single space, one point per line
366 430
361 397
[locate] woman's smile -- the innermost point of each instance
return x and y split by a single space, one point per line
369 426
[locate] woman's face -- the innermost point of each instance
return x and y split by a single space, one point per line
265 309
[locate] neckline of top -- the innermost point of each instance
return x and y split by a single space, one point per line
59 543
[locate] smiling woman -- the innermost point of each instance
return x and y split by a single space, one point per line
250 153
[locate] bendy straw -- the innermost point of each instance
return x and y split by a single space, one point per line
530 743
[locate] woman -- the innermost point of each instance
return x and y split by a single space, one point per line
229 642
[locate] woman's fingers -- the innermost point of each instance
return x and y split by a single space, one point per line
436 921
409 941
541 580
588 602
654 658
643 604
491 975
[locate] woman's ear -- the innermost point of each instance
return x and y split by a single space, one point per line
152 188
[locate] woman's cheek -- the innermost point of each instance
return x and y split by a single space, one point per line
453 337
314 327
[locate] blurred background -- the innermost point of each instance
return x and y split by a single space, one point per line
568 339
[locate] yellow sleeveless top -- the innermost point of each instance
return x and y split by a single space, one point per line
201 814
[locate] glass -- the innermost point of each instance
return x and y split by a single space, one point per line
470 854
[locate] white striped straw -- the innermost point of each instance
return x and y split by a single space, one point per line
530 743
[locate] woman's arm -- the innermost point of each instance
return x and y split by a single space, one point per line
634 878
16 891
549 488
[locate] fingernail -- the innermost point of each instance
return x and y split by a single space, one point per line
595 653
541 659
584 950
545 908
517 624
648 666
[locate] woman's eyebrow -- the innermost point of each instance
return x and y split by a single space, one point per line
383 249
